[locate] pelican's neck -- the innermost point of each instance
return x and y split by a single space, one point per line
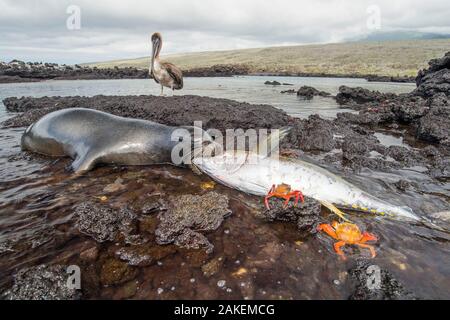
155 55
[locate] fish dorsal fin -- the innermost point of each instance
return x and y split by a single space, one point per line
269 145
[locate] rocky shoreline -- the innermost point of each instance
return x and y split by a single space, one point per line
150 224
19 71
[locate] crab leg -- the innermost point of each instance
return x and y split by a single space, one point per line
337 248
328 230
288 197
269 195
298 196
372 250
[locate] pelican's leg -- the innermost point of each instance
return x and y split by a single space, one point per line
162 88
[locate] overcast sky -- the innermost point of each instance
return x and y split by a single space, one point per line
36 30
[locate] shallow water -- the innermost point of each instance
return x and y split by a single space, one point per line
37 195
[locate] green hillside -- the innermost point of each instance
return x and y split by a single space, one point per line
390 58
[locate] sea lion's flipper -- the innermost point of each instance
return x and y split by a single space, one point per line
84 162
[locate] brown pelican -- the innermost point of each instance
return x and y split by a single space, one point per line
164 73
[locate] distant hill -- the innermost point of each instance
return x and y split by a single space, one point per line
387 58
402 35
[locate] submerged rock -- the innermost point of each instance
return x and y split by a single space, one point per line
188 214
144 255
272 83
116 272
103 223
42 282
366 289
309 92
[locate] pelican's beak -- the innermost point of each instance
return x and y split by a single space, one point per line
155 47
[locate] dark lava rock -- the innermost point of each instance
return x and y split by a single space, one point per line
42 282
143 255
19 71
290 91
402 185
314 133
376 78
272 83
309 92
104 223
360 95
435 79
435 126
305 215
357 145
390 288
188 214
408 108
220 114
218 70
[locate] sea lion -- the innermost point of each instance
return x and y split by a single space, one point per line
92 137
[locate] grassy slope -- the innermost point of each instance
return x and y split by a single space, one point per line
382 58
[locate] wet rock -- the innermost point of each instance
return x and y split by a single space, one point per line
19 71
408 108
312 134
403 185
215 113
435 79
188 214
290 91
218 70
191 239
390 288
305 215
309 92
103 223
116 272
143 255
42 282
133 257
435 126
90 254
272 83
360 95
114 187
377 78
401 154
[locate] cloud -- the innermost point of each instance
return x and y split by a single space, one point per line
36 29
